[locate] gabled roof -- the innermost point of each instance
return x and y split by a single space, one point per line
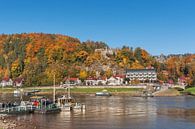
18 80
91 78
6 79
101 78
119 76
71 79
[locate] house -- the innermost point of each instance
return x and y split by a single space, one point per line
6 82
18 82
182 81
72 81
101 81
142 75
116 80
170 82
91 81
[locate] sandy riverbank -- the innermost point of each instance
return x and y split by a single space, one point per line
10 122
168 92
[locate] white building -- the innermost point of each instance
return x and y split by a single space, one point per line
72 81
143 75
6 82
115 80
91 81
18 82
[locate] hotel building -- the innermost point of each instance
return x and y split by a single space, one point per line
143 75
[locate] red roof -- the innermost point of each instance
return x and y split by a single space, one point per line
120 76
170 81
101 78
70 79
73 79
91 78
182 78
18 80
6 79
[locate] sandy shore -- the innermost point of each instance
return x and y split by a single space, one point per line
167 93
10 122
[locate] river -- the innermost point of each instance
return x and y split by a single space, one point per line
121 112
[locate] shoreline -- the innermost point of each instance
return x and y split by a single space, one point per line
10 122
134 91
79 89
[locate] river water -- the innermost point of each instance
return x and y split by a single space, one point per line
121 112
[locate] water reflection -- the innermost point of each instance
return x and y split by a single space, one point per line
121 112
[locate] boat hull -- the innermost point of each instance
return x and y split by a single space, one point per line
103 94
46 111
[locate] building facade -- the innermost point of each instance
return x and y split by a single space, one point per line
6 82
142 75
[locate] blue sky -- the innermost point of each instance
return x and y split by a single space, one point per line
159 26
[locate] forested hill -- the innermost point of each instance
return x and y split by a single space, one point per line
36 57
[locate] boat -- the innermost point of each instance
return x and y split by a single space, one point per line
103 93
147 94
67 103
45 109
32 92
43 105
17 93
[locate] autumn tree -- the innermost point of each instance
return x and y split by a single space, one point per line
83 75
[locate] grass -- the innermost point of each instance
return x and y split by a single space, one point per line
191 90
112 90
6 90
77 90
94 90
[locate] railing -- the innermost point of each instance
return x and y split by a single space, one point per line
16 109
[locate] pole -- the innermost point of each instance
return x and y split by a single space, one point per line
68 87
54 89
69 90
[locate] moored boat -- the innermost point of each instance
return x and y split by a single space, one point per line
17 93
103 93
43 105
147 94
32 92
67 103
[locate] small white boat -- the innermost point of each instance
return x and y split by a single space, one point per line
66 103
103 93
17 93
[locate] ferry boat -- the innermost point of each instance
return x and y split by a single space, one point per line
103 93
43 105
147 94
67 103
32 92
17 93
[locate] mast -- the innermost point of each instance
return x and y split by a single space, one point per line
54 88
69 88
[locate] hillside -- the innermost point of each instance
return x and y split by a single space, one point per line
36 57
